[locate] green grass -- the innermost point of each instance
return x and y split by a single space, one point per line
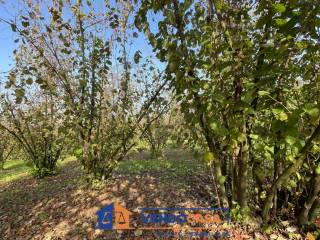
16 169
177 165
173 164
140 166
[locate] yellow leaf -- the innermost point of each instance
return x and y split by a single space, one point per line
310 236
208 157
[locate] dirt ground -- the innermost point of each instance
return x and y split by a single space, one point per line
64 206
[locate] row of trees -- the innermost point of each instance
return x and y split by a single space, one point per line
245 75
75 86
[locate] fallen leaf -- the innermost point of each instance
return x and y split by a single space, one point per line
291 229
285 223
310 236
273 236
138 232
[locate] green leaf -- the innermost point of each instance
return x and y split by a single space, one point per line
29 81
298 175
218 129
279 114
263 93
241 137
221 180
313 112
89 3
137 57
280 22
218 5
263 195
302 44
78 152
19 93
292 183
318 170
39 80
283 116
279 8
218 97
254 136
25 23
290 140
208 157
316 149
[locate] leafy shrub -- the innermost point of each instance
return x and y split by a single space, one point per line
42 172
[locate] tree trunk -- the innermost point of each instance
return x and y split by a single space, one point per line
314 186
314 210
217 162
276 169
220 184
243 174
234 177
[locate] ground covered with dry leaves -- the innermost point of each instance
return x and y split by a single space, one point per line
64 206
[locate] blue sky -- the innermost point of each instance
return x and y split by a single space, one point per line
10 9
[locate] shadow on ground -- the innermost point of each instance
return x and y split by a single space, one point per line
62 207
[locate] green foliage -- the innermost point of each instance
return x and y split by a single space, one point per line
242 75
279 8
175 164
235 213
36 130
208 157
42 172
96 111
78 152
141 146
157 134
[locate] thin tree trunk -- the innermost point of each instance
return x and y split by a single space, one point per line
243 175
314 210
303 218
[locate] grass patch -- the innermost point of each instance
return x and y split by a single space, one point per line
173 165
171 172
66 160
14 169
